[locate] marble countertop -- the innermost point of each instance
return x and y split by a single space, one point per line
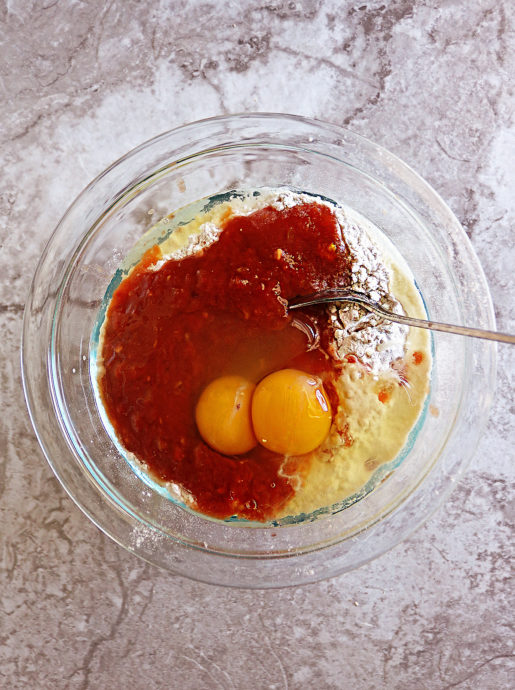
83 82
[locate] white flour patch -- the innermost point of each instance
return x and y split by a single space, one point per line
376 342
209 234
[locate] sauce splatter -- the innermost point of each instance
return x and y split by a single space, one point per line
418 357
383 396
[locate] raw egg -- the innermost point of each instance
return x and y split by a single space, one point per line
291 414
223 415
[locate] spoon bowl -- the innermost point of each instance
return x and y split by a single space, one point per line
347 295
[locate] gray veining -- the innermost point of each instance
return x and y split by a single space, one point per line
83 82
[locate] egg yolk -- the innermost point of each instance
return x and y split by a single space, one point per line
291 414
223 415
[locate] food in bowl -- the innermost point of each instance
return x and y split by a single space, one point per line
235 405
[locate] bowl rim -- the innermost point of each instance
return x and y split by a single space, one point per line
242 117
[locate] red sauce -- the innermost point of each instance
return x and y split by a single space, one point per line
383 396
170 332
418 357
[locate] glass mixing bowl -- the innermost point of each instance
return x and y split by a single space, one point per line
95 235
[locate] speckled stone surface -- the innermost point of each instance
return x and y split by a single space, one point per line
83 82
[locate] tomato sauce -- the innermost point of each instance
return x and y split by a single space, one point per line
418 357
169 332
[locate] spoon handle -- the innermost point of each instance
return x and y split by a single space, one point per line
347 295
446 327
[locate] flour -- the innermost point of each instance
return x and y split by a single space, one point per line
375 342
208 234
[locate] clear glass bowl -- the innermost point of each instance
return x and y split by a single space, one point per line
97 232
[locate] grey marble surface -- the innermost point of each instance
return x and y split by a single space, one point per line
83 82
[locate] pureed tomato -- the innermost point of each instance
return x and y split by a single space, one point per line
169 332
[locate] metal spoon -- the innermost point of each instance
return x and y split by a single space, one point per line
347 295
